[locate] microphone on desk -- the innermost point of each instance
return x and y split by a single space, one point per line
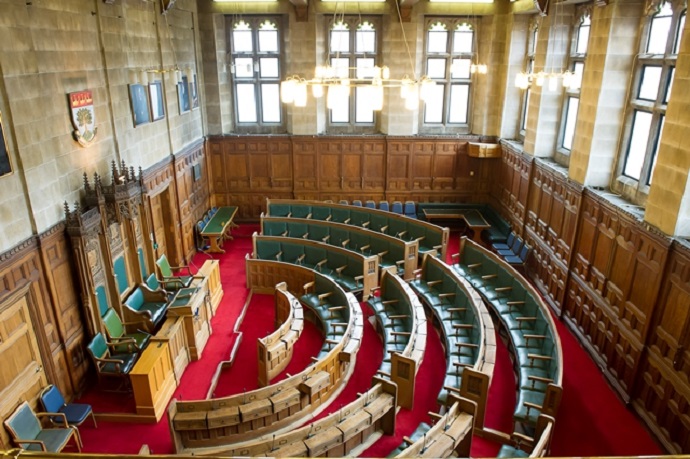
424 446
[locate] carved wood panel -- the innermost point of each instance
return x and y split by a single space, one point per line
304 164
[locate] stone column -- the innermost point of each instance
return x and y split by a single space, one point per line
215 67
613 44
553 47
516 48
668 205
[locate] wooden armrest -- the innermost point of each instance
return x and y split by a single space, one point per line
474 265
375 289
463 326
365 224
339 324
384 229
396 333
328 219
446 295
539 379
503 289
307 286
381 372
321 296
435 415
455 257
320 264
472 345
358 278
332 341
452 389
345 242
401 234
456 309
305 236
62 416
529 337
515 303
532 405
408 440
399 262
438 247
525 319
284 233
519 437
308 216
420 238
279 255
340 269
434 282
382 254
33 442
398 316
289 214
337 308
460 364
489 276
300 259
539 357
326 238
365 247
314 359
394 301
347 221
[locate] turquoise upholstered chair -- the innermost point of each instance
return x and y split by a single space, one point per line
75 413
29 434
109 364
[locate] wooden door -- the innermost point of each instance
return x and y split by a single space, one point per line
22 375
158 225
169 228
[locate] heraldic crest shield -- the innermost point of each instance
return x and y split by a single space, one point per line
83 117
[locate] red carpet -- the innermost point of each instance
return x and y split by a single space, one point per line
591 421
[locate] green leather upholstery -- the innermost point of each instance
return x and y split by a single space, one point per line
110 364
123 342
169 280
151 306
120 271
102 299
28 433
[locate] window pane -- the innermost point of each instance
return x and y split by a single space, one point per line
436 68
242 41
570 121
525 110
459 97
341 66
363 111
649 86
365 67
270 103
244 67
658 35
655 153
268 41
460 68
437 41
433 107
582 39
341 113
269 67
340 41
462 41
578 70
365 41
246 103
638 144
679 34
670 85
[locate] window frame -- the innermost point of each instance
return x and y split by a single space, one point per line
583 18
657 108
528 69
259 126
353 21
447 82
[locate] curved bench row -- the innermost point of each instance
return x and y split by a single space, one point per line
275 350
337 434
241 417
462 319
352 271
451 433
432 239
395 255
401 323
529 325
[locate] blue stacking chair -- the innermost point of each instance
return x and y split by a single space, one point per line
397 207
410 209
514 249
383 205
504 246
370 204
520 259
75 413
357 202
344 202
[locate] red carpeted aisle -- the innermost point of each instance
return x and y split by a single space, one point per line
591 421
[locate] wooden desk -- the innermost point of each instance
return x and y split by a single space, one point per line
211 272
197 319
172 333
219 226
473 218
153 380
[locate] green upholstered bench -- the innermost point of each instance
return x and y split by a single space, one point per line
148 305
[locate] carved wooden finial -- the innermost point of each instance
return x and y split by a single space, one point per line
132 175
113 170
141 175
66 206
97 181
87 185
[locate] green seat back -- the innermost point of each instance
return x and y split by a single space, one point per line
278 210
300 210
113 324
314 254
267 250
97 347
292 251
340 214
320 212
273 228
164 266
152 282
142 262
318 231
297 229
121 275
24 423
102 299
338 235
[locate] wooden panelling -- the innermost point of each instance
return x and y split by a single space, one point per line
192 193
513 186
